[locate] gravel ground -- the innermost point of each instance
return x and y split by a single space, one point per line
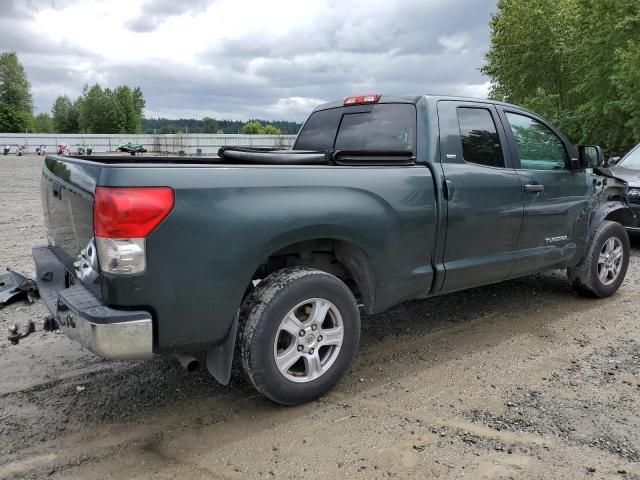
523 379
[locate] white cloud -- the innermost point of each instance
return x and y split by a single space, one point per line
480 90
249 58
454 43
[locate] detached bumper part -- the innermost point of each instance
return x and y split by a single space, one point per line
107 332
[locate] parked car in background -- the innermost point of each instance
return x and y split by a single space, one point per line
628 169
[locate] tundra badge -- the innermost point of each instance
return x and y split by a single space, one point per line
559 238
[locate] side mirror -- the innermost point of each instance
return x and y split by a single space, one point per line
613 160
590 156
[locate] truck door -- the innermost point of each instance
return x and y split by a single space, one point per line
483 195
556 199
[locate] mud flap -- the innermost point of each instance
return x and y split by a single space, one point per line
220 358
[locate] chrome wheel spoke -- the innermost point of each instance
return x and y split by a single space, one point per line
285 360
291 325
610 245
617 253
319 312
603 275
332 336
313 366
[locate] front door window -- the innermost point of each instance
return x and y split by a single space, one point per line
538 147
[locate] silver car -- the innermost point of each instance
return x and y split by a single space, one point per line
628 169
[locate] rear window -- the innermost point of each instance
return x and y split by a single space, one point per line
387 126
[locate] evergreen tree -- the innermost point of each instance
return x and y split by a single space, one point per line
65 115
43 123
16 103
110 111
576 62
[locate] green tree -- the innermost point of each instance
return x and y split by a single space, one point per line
65 115
15 89
530 60
16 103
252 128
209 125
606 41
271 130
14 120
130 105
103 110
626 79
43 123
574 62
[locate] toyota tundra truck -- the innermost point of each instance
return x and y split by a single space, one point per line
268 257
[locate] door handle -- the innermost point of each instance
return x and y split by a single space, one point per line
449 189
534 188
57 190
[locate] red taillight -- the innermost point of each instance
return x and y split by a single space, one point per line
362 99
130 212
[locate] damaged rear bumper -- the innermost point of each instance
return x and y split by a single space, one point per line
107 332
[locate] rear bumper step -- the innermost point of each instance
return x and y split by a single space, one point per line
107 332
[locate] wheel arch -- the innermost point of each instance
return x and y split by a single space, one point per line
614 211
336 255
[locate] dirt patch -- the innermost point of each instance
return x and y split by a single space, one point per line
593 403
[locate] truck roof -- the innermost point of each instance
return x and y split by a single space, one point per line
405 98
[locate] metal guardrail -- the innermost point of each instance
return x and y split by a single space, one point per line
190 144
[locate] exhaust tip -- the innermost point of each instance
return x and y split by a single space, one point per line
193 366
188 362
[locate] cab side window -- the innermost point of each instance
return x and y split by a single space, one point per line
538 147
480 141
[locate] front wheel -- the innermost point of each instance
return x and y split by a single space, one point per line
604 267
299 331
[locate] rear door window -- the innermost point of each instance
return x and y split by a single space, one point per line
383 127
480 140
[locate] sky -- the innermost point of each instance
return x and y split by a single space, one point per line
241 59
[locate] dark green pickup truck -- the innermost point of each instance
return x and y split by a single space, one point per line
267 256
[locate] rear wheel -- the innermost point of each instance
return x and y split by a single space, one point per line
300 329
605 265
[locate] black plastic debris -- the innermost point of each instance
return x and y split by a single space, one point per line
15 285
16 333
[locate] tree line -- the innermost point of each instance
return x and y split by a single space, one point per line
212 125
97 110
575 62
104 110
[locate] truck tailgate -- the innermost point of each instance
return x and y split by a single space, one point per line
67 191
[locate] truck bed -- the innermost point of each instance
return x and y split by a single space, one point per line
264 156
230 217
226 155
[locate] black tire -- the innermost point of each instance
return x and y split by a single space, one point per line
261 315
584 277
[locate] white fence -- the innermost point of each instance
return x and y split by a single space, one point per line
190 144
